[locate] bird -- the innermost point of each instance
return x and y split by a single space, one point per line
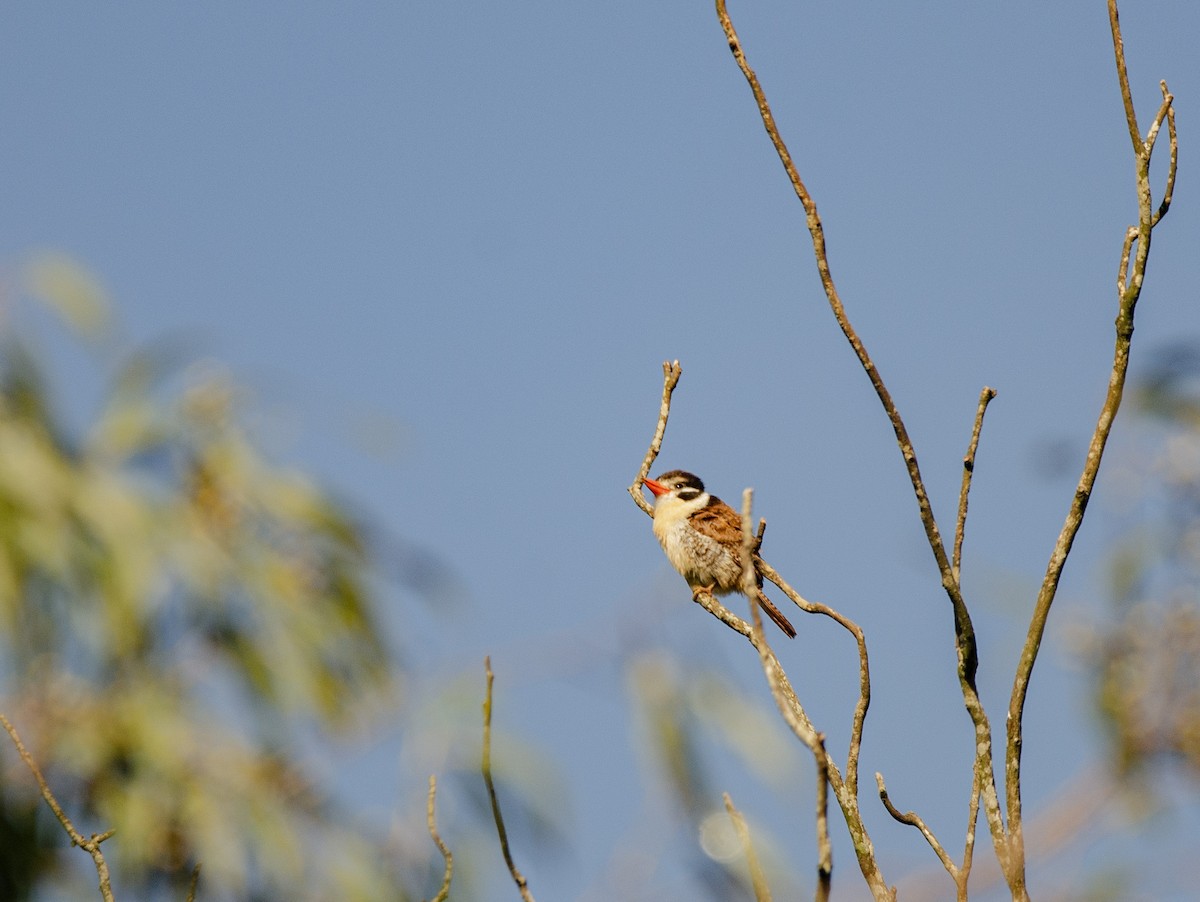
702 538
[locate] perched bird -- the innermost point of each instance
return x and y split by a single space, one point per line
702 536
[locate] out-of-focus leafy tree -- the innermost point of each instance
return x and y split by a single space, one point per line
1148 659
175 609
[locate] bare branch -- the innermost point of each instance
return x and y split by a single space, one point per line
817 232
671 374
864 667
1131 234
758 880
824 847
915 820
972 822
1168 107
985 398
447 855
1131 276
794 715
191 896
91 844
517 876
965 642
1135 133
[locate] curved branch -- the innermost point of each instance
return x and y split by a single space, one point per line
671 374
864 668
1167 108
912 819
965 641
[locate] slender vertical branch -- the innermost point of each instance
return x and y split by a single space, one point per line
671 374
758 880
985 398
191 896
1131 276
972 822
517 876
965 642
1135 133
817 233
447 855
824 846
90 844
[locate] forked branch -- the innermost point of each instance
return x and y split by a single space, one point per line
845 789
965 641
89 844
1135 251
912 819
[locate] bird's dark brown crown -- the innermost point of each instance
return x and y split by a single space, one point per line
686 485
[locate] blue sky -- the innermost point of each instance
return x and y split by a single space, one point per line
449 245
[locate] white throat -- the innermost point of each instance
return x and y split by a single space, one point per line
670 510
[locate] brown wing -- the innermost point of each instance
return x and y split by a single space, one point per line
719 522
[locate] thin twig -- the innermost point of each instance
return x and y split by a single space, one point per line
985 398
1168 105
1131 234
517 876
912 819
1135 133
447 855
758 880
671 373
191 896
972 822
749 574
817 232
91 844
824 847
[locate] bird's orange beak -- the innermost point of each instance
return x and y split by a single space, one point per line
656 488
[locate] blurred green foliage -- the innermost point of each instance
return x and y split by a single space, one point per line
1147 659
175 609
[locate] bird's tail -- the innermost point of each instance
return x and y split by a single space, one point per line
777 615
